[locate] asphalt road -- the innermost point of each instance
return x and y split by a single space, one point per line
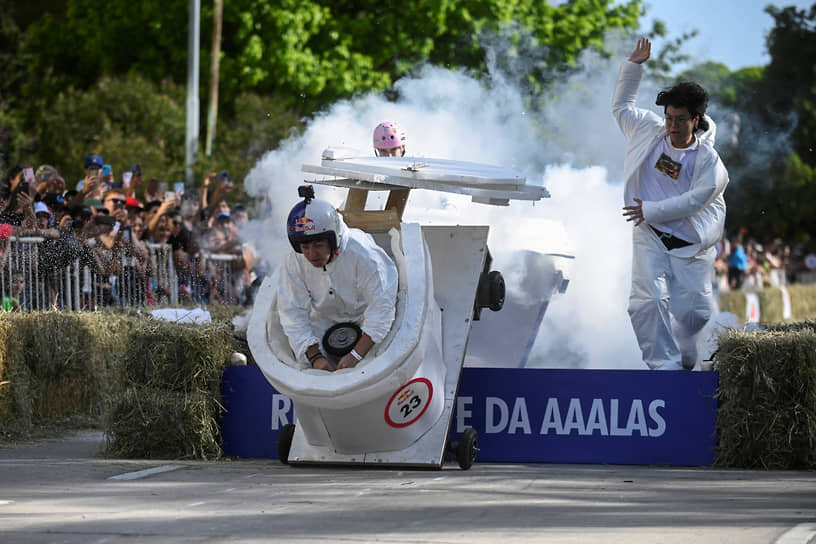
62 491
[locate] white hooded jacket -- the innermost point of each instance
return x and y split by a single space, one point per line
358 285
703 204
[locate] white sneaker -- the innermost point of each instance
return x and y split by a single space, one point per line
688 353
689 361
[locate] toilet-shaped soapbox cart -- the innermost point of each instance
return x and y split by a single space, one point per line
395 406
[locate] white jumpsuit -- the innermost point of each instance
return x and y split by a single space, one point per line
669 283
358 285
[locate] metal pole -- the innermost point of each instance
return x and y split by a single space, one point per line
191 147
215 64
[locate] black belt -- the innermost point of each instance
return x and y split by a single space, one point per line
669 240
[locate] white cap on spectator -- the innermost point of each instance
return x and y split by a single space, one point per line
40 207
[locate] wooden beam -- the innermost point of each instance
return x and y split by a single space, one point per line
372 220
397 198
356 200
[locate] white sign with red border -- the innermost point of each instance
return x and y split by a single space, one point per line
409 402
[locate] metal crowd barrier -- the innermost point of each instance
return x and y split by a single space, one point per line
33 275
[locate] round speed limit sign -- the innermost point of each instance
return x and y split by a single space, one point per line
409 403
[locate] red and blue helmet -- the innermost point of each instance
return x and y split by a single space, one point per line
312 219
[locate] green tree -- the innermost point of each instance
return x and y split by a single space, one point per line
313 51
791 77
771 159
13 74
107 77
129 119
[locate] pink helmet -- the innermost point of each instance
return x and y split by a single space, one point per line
388 135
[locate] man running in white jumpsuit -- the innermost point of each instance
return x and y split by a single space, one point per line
674 184
334 275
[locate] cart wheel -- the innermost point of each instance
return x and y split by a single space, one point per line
285 436
495 280
491 291
466 448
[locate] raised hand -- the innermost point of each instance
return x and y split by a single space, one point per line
642 52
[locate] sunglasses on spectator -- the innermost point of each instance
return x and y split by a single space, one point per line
117 200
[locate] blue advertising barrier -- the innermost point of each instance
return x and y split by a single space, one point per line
529 415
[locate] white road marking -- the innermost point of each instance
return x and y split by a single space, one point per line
145 473
801 534
5 502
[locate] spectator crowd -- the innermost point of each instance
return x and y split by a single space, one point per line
99 244
183 246
744 263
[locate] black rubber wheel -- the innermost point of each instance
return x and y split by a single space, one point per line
466 448
341 338
285 436
495 281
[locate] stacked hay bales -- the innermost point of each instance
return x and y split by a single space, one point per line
170 399
803 300
57 366
154 386
802 303
767 398
733 302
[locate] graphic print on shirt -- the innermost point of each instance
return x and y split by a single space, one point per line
669 167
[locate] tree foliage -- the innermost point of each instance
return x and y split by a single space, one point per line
129 119
772 164
75 86
792 46
313 51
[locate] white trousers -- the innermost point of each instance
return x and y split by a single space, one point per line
670 302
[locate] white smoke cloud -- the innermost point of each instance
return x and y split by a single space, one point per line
572 146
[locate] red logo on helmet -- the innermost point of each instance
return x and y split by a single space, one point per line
304 224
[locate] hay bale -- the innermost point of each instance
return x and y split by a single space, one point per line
74 360
16 410
770 305
176 356
793 326
171 401
58 365
223 313
803 303
155 423
803 300
79 366
767 399
733 302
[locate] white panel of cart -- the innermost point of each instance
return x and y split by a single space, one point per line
457 256
483 182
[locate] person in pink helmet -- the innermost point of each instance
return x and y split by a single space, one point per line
389 140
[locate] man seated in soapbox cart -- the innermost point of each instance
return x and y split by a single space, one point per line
337 283
391 399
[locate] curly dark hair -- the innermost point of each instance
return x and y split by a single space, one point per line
689 95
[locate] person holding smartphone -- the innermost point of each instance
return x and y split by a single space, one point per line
15 177
19 210
49 180
114 201
214 199
93 172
